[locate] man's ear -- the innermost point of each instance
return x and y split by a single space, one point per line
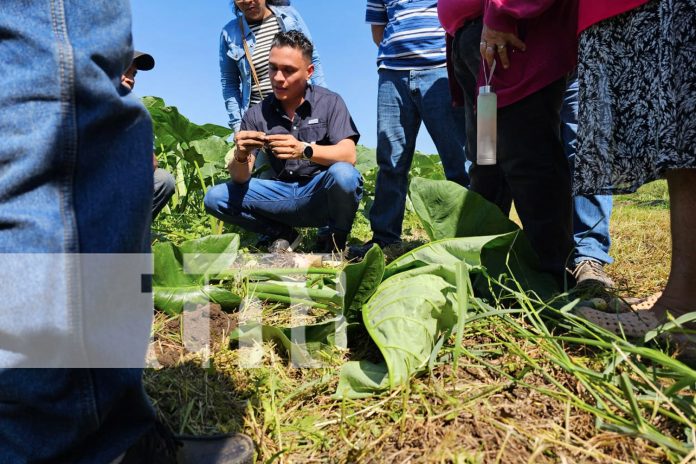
310 71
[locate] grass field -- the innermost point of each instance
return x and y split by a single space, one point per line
519 392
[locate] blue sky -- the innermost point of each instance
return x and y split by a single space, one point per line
183 36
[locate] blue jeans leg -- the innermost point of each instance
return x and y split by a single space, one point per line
445 124
163 190
272 207
404 99
338 193
398 121
591 213
70 145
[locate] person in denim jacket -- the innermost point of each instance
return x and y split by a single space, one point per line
235 72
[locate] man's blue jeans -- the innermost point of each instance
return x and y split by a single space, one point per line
272 207
591 213
404 100
69 144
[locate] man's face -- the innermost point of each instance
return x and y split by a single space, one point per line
289 71
128 78
253 10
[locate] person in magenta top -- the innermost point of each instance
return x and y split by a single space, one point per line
534 45
591 213
637 88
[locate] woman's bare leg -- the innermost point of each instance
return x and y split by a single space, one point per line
680 291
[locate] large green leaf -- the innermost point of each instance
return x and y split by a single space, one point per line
220 131
183 272
172 128
367 159
361 379
448 210
213 149
361 280
173 300
504 257
301 343
405 318
426 166
413 307
193 260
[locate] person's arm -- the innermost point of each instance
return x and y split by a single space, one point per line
376 16
241 165
342 137
287 147
231 85
377 33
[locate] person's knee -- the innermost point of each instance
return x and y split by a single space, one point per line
164 183
346 178
214 198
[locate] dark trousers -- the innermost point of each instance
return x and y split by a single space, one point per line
532 167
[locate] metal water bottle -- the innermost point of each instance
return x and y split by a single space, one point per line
486 126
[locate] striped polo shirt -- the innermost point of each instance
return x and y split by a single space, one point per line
264 32
413 36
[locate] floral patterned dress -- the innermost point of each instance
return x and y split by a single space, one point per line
637 97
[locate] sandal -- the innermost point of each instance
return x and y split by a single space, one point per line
637 325
612 304
630 324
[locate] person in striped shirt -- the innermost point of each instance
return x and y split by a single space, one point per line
413 88
256 22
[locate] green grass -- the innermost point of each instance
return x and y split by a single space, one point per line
541 386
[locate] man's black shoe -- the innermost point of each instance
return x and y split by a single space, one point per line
285 243
159 446
156 446
358 252
224 449
333 243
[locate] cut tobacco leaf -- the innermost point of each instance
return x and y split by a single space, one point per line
448 210
360 280
183 272
301 343
361 379
405 318
173 300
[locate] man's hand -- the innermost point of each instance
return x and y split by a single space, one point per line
248 141
492 41
285 147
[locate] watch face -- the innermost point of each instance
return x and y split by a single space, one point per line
308 151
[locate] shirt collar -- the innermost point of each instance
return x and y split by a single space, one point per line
305 109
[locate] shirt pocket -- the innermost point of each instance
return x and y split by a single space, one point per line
235 52
314 133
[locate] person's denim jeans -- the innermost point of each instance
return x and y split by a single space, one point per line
272 207
591 213
70 144
163 190
404 100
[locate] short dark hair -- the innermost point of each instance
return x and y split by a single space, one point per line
278 2
294 39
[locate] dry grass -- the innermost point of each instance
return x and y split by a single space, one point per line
496 407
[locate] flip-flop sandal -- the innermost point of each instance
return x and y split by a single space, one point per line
611 304
632 325
646 303
638 324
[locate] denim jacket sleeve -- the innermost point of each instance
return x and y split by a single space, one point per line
296 22
231 85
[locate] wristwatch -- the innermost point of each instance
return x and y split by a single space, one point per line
308 151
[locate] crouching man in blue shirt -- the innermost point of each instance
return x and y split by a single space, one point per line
310 138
